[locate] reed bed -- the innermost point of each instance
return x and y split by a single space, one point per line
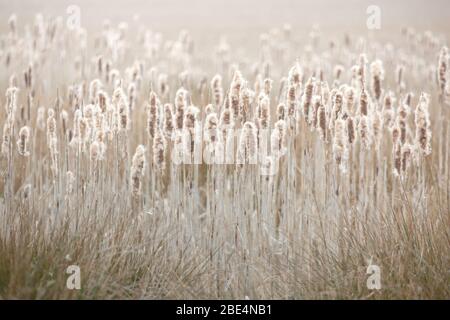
163 171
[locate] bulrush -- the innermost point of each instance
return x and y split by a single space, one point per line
64 116
180 106
70 181
103 100
209 109
355 82
152 114
397 158
163 85
257 86
442 68
75 139
11 101
247 97
322 123
351 130
95 152
423 125
168 125
407 152
159 150
362 70
395 133
281 111
307 98
247 151
316 103
340 146
377 128
7 129
51 126
388 112
235 94
137 171
365 134
408 99
132 95
22 142
191 126
377 72
53 146
121 111
88 113
263 119
291 103
402 121
336 109
210 131
217 90
278 139
100 132
268 86
349 100
269 168
363 103
325 92
399 71
295 78
226 123
94 88
12 23
337 72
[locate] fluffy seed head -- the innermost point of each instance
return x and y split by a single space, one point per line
351 130
397 158
216 88
264 113
210 131
377 71
423 125
278 139
363 103
365 134
70 181
388 112
248 145
159 150
307 97
152 114
443 67
22 142
281 111
180 105
137 171
340 147
322 123
247 97
168 121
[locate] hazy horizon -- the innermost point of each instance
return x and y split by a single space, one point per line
237 14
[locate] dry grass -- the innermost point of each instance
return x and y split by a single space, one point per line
358 163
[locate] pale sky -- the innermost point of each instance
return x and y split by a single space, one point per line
240 14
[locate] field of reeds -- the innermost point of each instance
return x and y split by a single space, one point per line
164 170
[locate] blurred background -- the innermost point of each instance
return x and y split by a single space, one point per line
243 15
